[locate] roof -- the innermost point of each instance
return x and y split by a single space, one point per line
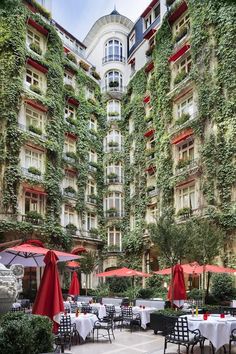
113 17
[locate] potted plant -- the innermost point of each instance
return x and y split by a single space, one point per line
36 89
113 114
180 34
32 128
113 143
71 57
69 189
33 215
71 228
112 210
93 231
180 77
34 171
183 163
36 48
70 119
112 175
71 154
84 65
182 119
164 320
185 212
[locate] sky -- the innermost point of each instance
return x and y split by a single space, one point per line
78 16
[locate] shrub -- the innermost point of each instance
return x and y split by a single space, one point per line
146 293
171 312
36 89
34 215
24 334
195 294
40 9
35 129
180 77
222 287
71 57
34 171
36 48
118 285
155 281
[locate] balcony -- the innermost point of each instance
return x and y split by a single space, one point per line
88 234
113 116
152 191
113 148
69 157
69 192
114 57
91 199
119 88
183 122
115 180
92 166
31 129
187 166
32 173
33 218
112 213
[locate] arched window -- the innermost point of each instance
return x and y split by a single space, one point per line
113 51
114 204
113 141
114 81
113 109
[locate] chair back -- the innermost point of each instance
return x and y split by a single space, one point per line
73 307
65 325
229 311
180 332
86 309
127 312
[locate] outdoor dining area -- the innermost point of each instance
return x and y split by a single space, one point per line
65 323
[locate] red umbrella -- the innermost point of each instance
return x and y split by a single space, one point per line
74 285
49 300
195 268
123 272
177 287
73 265
78 250
30 256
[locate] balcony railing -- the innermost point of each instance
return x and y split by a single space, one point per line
153 192
113 148
91 200
68 159
114 214
28 174
86 234
70 194
115 180
176 127
26 129
118 89
113 118
152 26
32 220
92 168
114 57
191 166
114 249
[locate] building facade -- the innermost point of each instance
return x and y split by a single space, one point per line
102 137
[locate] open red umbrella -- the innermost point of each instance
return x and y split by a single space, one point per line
195 268
30 256
123 272
74 285
177 291
49 300
72 265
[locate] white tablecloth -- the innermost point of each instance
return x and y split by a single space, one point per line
144 314
216 329
84 323
101 309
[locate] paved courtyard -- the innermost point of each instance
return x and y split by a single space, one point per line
129 343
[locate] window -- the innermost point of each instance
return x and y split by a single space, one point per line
113 141
132 68
93 123
92 156
185 64
113 108
185 107
34 202
132 39
186 150
69 111
89 93
131 154
156 11
91 221
186 197
153 212
69 180
69 145
115 169
184 21
148 109
34 118
91 187
114 80
151 143
33 36
131 125
114 239
68 78
33 158
114 200
33 77
147 21
132 222
69 215
113 50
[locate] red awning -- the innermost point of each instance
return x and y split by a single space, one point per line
179 53
35 190
149 133
70 170
151 170
149 8
146 99
38 27
71 135
150 33
73 101
35 147
79 249
178 12
182 136
183 183
131 61
149 67
37 66
66 50
36 105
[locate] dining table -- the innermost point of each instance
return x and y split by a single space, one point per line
144 313
216 329
84 323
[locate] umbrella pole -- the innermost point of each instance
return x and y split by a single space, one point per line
172 287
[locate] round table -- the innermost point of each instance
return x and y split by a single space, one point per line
144 314
84 323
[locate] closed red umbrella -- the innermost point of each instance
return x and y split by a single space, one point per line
49 300
74 285
123 272
177 291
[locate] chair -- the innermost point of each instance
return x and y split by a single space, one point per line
129 319
65 333
181 335
94 310
86 309
113 315
73 307
229 311
232 338
104 325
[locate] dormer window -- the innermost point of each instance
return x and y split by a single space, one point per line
132 39
147 21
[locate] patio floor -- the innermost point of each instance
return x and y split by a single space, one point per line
129 343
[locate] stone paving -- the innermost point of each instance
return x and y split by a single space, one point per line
138 342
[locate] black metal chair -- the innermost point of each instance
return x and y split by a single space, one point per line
229 311
232 339
104 325
86 309
116 317
66 333
129 319
183 336
73 307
